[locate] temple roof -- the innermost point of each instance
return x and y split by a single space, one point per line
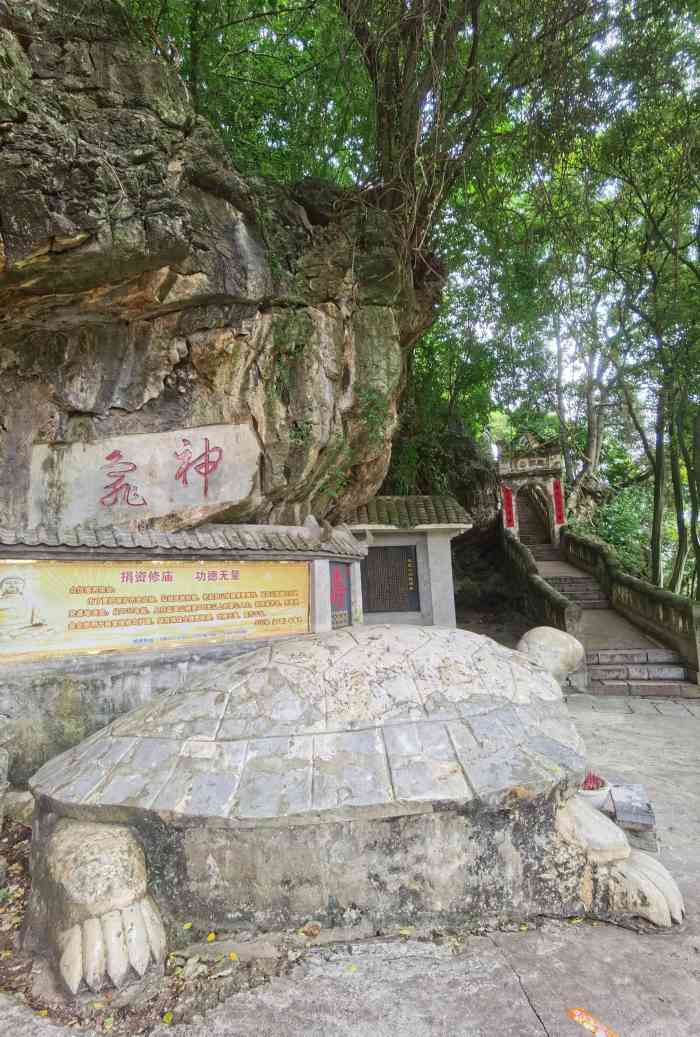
411 513
311 539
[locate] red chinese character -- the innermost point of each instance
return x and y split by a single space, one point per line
167 577
211 575
223 575
205 464
127 577
339 587
154 577
119 490
200 575
235 574
140 576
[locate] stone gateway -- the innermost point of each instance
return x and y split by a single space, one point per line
396 775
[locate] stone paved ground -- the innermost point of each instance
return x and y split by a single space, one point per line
510 984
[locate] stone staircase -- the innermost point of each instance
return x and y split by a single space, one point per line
639 671
615 670
584 591
532 529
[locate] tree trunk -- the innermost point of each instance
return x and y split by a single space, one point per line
657 573
561 410
683 549
691 458
588 459
639 427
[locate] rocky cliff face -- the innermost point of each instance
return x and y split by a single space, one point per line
146 287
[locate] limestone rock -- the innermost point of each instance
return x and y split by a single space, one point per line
146 287
558 652
4 765
19 805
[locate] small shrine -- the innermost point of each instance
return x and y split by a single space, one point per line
407 572
532 493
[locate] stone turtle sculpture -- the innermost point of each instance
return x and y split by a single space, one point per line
388 774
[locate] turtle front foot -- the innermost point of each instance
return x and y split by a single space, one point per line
619 881
102 925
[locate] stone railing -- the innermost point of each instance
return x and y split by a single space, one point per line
671 618
539 599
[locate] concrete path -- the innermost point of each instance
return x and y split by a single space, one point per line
509 984
605 628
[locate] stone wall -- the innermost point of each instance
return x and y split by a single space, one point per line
147 288
538 599
48 706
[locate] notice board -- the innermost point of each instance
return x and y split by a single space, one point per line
50 608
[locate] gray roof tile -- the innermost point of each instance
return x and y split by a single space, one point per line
409 512
212 540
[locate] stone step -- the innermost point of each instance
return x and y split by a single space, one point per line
580 592
588 599
545 552
584 583
574 578
638 672
579 596
659 689
608 656
585 592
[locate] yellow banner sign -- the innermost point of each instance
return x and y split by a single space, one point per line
53 607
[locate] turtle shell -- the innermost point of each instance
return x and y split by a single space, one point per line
385 719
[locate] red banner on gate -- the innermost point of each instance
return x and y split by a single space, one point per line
558 494
508 512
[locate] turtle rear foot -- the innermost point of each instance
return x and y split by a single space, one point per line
102 927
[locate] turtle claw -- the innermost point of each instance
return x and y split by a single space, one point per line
107 948
94 955
642 886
